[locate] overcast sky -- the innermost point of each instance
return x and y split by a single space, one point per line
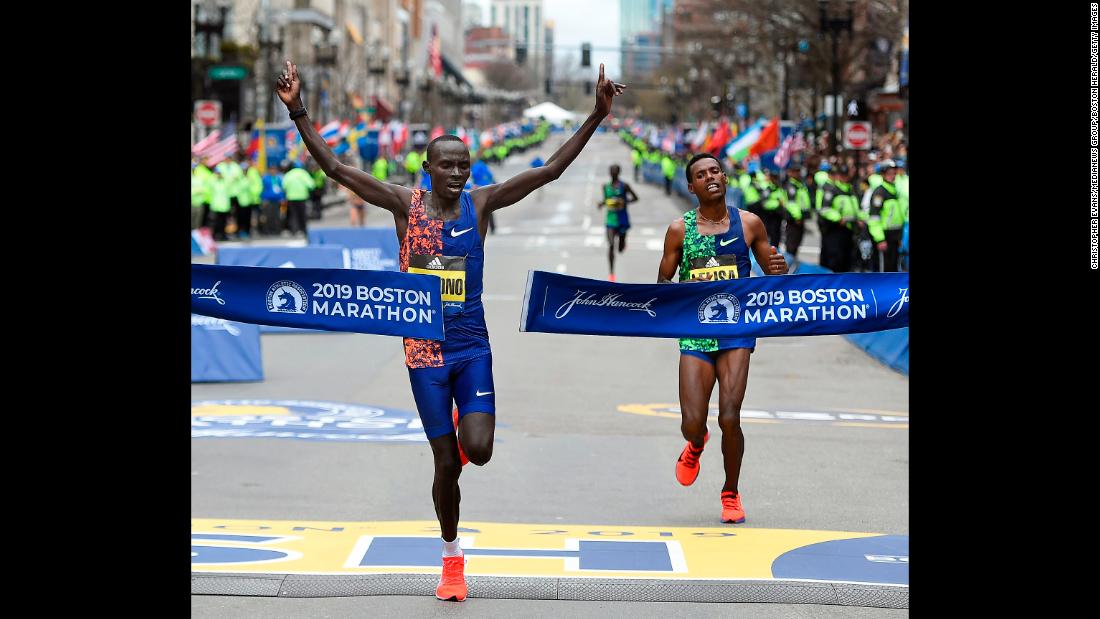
582 21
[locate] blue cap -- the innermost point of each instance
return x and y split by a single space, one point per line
824 167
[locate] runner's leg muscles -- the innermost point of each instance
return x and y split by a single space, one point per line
733 375
696 384
477 431
445 492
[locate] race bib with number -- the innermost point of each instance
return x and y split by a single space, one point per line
714 268
451 270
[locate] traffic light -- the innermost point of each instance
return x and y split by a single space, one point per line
521 53
548 86
586 55
588 88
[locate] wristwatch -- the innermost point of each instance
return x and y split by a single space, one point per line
298 113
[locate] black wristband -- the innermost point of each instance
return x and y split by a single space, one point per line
298 113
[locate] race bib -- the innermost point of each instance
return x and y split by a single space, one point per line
451 270
714 268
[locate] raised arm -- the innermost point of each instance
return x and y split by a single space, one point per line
394 198
513 190
770 260
674 250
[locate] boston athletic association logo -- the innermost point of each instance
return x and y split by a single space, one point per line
286 297
721 308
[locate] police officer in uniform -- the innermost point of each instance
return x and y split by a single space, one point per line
836 209
798 209
773 201
886 217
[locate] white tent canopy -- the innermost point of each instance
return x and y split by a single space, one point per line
550 112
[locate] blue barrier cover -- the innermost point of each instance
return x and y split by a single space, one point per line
223 350
890 347
377 302
373 249
783 305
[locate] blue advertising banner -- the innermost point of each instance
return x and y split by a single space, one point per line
783 305
376 302
222 350
373 249
283 257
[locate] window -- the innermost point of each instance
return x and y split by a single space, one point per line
526 24
493 15
507 19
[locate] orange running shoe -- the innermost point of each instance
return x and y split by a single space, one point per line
452 582
611 277
687 465
461 454
731 508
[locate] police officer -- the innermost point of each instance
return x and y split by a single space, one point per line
798 209
773 203
249 186
749 191
636 159
297 183
668 169
318 192
837 210
886 217
412 165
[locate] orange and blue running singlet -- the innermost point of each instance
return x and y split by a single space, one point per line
460 367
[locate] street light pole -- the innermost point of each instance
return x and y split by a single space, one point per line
834 27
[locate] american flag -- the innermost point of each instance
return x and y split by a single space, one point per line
205 142
216 152
799 144
783 155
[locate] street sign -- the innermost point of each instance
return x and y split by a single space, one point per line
857 135
208 113
227 73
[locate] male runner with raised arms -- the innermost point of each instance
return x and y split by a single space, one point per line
616 195
441 232
712 242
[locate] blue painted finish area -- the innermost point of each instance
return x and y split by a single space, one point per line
883 559
591 555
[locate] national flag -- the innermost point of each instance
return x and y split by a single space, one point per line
701 135
769 138
783 155
739 148
719 138
330 132
205 142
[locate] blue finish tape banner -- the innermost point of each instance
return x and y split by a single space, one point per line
781 305
222 350
373 249
376 302
284 257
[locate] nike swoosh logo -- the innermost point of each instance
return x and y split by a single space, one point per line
479 393
724 243
455 233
